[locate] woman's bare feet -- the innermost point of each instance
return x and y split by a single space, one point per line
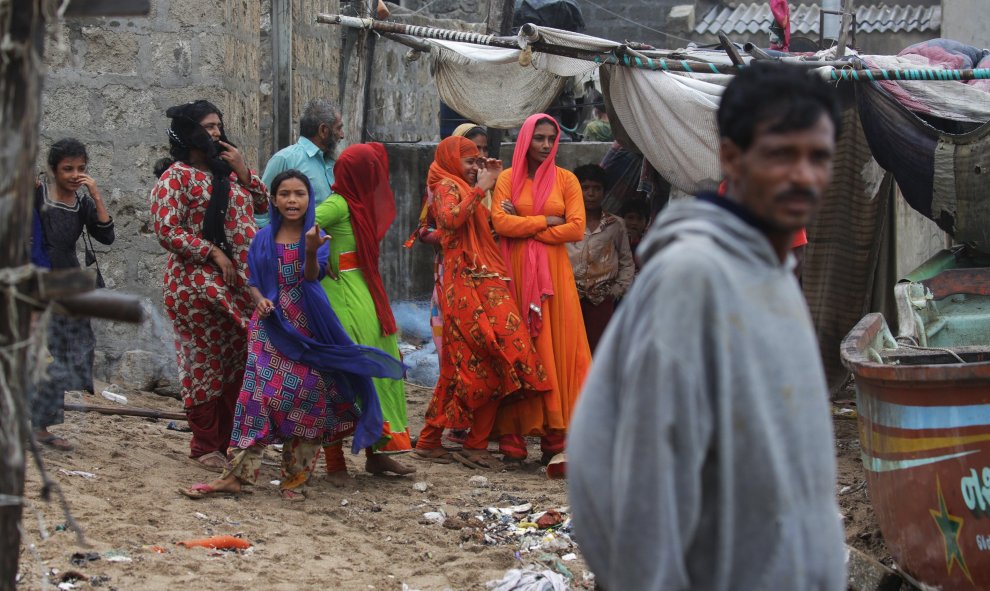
52 440
339 478
381 463
293 496
229 485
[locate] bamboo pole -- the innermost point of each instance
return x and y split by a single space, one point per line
849 71
106 304
127 411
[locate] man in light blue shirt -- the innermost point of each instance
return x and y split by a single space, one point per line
320 128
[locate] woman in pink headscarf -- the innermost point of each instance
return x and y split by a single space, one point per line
537 208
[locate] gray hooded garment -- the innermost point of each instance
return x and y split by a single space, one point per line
701 452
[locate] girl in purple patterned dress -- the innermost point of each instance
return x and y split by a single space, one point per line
306 382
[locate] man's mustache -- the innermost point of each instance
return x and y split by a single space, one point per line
806 194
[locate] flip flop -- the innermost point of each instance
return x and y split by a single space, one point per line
292 496
201 490
55 442
480 461
424 456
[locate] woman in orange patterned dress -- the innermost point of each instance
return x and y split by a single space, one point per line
538 208
488 354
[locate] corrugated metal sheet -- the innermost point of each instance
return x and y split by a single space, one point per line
755 17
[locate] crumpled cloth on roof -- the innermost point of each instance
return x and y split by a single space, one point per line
488 85
530 579
671 119
958 101
934 169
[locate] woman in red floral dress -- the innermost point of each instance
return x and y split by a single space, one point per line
488 354
203 209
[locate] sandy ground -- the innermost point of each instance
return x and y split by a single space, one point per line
368 535
862 528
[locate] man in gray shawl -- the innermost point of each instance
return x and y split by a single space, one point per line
701 454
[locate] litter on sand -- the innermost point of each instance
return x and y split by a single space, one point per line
86 475
218 543
530 579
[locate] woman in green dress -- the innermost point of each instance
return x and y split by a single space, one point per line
356 216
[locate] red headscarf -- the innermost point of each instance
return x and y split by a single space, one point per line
361 178
535 280
478 243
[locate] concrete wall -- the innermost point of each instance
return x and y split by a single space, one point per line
315 57
632 20
403 105
471 11
109 83
966 21
917 237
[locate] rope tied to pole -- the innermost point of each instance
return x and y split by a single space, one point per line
10 278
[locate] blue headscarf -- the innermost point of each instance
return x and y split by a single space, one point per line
330 349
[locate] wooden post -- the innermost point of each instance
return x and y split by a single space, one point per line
22 25
847 11
282 73
355 71
499 23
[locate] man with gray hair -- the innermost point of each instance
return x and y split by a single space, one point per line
320 129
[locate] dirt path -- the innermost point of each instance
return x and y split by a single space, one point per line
368 535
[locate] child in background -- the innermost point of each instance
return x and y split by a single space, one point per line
635 213
602 261
305 381
67 207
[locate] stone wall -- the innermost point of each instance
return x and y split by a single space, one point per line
109 82
315 57
471 11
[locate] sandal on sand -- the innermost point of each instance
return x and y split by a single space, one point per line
292 496
437 456
55 442
201 490
479 460
213 461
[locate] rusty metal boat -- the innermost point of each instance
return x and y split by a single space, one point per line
924 420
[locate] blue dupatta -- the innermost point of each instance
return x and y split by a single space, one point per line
330 349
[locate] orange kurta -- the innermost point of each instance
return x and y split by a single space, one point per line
562 343
488 354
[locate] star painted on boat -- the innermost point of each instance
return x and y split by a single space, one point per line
949 526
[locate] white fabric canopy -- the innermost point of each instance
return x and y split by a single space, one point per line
671 119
